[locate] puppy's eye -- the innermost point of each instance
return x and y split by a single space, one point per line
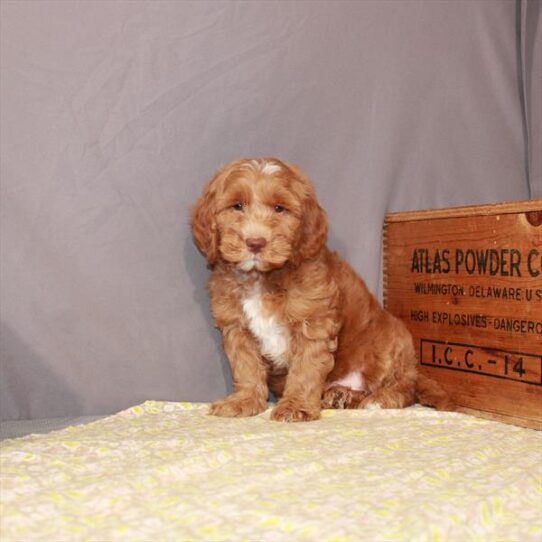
237 206
279 209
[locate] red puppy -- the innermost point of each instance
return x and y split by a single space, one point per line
295 317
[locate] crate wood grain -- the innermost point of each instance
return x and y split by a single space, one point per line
467 281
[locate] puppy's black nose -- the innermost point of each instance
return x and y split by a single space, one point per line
255 244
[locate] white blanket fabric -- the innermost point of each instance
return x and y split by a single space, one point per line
168 471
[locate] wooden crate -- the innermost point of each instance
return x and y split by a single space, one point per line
467 281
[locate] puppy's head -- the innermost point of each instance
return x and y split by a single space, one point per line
258 215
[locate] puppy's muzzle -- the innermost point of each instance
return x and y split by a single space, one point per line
256 244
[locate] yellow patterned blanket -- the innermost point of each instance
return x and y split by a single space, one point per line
167 471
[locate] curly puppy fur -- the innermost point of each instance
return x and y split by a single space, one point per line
295 317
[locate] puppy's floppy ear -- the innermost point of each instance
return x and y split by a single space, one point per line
204 228
313 232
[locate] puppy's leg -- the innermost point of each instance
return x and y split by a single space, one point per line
396 395
249 376
310 363
276 380
389 364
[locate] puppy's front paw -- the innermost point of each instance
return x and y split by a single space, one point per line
237 405
292 411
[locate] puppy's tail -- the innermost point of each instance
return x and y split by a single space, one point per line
430 393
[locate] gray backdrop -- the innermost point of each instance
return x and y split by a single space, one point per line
114 114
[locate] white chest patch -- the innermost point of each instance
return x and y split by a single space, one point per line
352 380
272 336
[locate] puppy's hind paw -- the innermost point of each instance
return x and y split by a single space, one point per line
335 397
340 397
